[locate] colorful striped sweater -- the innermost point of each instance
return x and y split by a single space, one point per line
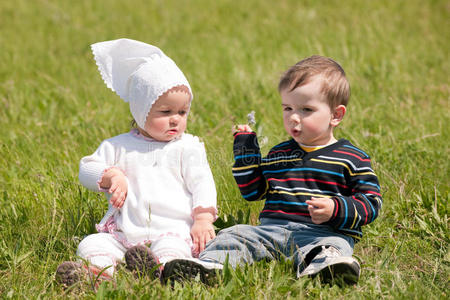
288 176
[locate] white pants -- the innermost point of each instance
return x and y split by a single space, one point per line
103 250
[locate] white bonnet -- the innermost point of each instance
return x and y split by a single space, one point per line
138 72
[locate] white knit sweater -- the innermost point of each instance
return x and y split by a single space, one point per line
166 182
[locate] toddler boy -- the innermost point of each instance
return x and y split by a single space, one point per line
319 191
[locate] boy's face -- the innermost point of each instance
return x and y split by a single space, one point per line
307 117
168 116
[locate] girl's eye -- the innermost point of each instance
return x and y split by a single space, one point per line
287 108
307 109
165 111
183 112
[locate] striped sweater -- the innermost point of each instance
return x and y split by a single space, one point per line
288 176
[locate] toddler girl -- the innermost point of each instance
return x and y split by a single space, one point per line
162 198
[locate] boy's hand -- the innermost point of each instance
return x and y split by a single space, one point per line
320 209
114 180
202 230
241 128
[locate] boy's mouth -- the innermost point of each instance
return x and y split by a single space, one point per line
295 132
172 131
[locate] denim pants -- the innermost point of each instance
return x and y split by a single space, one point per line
272 239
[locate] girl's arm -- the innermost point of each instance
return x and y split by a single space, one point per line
97 173
115 183
202 231
200 183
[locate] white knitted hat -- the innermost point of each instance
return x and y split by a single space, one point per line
139 73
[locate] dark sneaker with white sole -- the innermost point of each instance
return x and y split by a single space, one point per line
190 269
140 260
331 266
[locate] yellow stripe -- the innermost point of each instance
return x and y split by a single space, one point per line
265 192
354 219
342 164
311 149
279 161
244 168
353 236
299 193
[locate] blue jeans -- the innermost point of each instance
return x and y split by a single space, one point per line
272 239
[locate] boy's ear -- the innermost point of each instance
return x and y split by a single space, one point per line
338 115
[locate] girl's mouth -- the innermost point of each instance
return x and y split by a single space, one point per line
172 131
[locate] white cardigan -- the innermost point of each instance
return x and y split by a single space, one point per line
166 182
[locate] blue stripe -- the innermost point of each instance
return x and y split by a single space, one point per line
249 195
243 173
354 148
346 213
281 145
295 189
369 183
279 158
247 155
286 202
305 169
371 206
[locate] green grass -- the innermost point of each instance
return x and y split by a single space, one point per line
54 109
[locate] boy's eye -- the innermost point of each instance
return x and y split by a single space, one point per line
287 108
165 111
307 109
183 112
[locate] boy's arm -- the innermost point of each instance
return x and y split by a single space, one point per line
363 205
247 166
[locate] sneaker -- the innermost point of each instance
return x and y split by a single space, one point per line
140 260
190 269
330 265
69 273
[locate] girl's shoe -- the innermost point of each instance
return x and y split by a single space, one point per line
69 273
140 260
190 269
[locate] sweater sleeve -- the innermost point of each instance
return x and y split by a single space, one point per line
93 166
363 204
247 166
198 177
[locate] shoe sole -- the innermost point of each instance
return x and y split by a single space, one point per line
68 273
348 273
186 270
141 260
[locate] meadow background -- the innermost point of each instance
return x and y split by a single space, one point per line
54 109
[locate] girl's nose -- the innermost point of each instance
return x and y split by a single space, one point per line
174 119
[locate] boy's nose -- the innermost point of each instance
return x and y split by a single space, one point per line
295 119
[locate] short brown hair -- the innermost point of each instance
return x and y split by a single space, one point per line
335 85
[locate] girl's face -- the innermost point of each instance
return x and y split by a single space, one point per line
307 117
168 116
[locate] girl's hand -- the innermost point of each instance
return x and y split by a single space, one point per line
115 181
241 128
320 209
202 230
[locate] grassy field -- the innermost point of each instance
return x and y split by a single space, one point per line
54 109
